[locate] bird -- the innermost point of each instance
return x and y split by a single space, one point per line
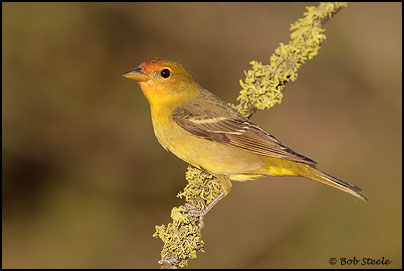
204 131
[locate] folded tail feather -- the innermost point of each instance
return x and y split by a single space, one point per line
330 180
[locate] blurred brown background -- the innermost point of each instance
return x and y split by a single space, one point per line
85 181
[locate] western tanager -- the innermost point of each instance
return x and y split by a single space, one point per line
205 132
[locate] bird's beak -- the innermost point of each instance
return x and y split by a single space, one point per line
136 74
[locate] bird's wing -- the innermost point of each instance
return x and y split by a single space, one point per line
208 117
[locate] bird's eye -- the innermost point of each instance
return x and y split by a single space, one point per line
165 73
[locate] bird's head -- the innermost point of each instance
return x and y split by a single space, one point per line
163 81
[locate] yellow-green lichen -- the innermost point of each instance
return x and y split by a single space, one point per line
261 89
182 238
202 188
263 85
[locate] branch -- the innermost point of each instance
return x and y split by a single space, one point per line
261 89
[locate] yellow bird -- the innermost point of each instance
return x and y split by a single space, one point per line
202 130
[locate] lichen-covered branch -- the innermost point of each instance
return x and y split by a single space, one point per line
182 238
261 89
263 85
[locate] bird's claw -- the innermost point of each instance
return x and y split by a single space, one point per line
193 210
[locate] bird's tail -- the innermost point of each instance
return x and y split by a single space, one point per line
330 180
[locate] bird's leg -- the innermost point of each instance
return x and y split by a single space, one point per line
194 211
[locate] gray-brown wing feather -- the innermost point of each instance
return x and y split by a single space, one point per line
226 126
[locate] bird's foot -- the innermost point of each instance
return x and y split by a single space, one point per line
195 211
